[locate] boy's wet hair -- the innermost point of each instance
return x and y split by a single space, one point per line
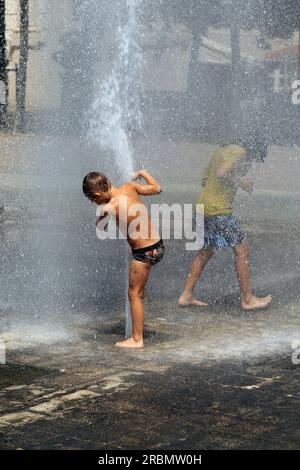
95 182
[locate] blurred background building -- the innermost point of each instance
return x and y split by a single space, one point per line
197 67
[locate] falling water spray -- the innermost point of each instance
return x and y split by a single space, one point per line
115 112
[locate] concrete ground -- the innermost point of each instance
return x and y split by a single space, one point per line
204 381
213 379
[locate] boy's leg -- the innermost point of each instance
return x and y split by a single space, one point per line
138 277
197 266
249 301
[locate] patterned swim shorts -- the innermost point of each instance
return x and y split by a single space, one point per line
150 254
222 231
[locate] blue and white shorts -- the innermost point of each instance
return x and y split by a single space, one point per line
222 231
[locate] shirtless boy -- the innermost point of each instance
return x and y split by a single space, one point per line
131 215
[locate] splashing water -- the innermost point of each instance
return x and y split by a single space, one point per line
116 110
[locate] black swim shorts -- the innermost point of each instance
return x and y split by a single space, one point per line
150 254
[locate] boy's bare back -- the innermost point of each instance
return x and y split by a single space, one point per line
131 213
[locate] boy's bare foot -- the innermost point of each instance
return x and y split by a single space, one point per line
185 301
256 303
130 343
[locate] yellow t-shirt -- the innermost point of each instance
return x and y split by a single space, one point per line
218 196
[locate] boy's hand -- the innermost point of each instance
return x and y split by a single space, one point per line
246 184
138 175
152 186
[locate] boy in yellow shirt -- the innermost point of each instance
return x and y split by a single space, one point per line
222 177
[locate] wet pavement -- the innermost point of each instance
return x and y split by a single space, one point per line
213 379
172 395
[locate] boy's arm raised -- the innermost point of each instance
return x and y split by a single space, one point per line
152 186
